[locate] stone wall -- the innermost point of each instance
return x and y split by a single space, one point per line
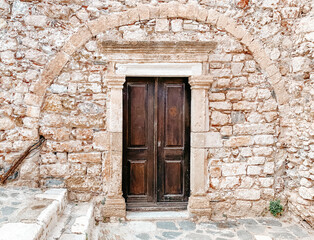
271 145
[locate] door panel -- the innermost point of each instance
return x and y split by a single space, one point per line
156 122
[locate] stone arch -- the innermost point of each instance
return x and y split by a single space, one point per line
34 99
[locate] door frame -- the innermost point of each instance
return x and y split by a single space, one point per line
200 83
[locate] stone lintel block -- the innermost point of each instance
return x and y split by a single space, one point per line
99 25
143 10
169 10
272 70
247 39
281 94
54 67
133 15
201 82
92 157
231 26
202 15
114 207
154 12
77 40
212 17
222 22
33 99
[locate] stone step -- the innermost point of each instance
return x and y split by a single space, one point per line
35 221
157 215
76 223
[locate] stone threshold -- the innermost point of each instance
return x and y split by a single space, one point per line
157 215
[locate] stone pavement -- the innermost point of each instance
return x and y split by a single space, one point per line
242 229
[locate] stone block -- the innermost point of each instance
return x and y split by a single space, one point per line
176 25
83 133
54 170
244 105
202 15
281 93
199 111
191 11
256 160
240 141
236 68
36 20
221 105
143 10
226 131
169 10
307 193
264 139
253 129
6 123
216 97
269 168
229 182
266 182
77 40
233 169
234 95
92 157
212 17
247 194
219 57
198 171
99 25
162 25
133 15
154 12
222 22
263 151
254 170
218 118
57 134
33 112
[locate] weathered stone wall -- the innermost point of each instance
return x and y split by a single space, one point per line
241 100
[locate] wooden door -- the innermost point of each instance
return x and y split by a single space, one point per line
156 121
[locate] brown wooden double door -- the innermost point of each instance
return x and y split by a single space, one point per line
156 121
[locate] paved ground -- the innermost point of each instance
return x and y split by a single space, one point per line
242 229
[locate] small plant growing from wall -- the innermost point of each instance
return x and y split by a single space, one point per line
275 207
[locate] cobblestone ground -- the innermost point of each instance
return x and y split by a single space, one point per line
242 229
18 204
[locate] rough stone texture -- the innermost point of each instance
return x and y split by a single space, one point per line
261 96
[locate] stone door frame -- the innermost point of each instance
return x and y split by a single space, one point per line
199 83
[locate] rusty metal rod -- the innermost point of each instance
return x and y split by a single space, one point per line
17 163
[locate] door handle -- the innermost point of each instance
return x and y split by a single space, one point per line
159 143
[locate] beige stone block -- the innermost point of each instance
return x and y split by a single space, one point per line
212 17
54 170
236 68
247 194
263 151
154 12
264 139
253 129
77 40
241 141
182 11
83 133
116 141
219 119
33 112
239 32
255 46
282 95
272 70
233 169
199 110
234 95
99 25
198 171
39 88
162 25
54 67
176 25
216 97
269 168
143 10
36 20
229 182
169 10
202 15
215 171
262 59
114 116
6 123
219 57
57 134
306 193
221 105
92 157
133 15
231 26
114 207
266 182
125 19
226 131
191 11
33 99
222 22
244 105
247 39
254 170
256 160
213 140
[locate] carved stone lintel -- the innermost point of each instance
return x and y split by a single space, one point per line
114 207
202 81
115 81
200 206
